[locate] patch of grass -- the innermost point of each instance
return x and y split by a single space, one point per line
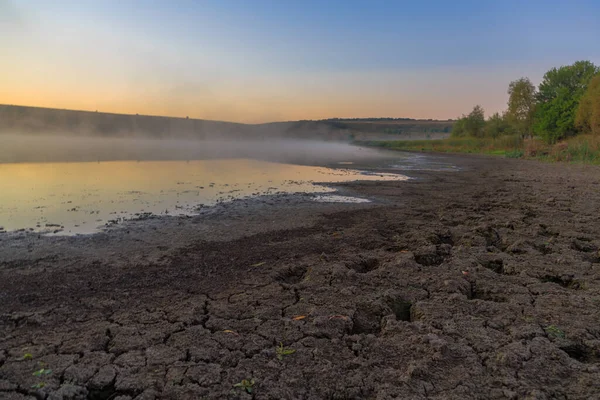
578 149
498 146
582 149
514 154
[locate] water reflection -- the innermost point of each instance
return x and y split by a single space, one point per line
68 198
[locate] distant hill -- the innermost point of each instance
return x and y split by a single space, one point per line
37 120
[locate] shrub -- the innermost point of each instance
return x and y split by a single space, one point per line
470 125
514 154
560 152
588 113
510 141
535 148
558 99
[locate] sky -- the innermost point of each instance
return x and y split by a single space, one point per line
270 60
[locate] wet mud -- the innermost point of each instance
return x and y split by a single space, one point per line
476 284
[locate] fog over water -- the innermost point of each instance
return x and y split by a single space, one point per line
67 185
16 148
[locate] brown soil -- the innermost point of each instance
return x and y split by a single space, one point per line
479 284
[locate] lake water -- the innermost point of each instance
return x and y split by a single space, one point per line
82 197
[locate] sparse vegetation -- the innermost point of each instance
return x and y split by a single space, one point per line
283 351
246 384
578 149
495 146
42 371
555 331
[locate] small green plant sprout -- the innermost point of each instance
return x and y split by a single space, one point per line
555 331
42 371
246 384
38 385
27 356
259 264
282 351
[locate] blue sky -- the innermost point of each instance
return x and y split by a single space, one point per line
258 60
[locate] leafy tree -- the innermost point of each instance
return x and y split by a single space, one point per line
573 77
588 113
475 122
497 125
558 98
557 120
470 125
458 129
521 106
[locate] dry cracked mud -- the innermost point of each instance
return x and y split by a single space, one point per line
478 284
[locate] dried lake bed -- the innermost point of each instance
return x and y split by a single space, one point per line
481 283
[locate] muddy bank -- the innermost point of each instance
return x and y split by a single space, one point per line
482 283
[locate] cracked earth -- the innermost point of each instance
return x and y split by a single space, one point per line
477 284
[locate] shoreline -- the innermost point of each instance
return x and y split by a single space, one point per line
219 209
57 208
580 149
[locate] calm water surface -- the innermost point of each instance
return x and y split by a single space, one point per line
70 198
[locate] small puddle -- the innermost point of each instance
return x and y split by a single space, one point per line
420 162
334 198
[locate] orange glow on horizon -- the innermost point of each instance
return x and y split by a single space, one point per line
244 111
411 94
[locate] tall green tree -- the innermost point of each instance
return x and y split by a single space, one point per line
558 98
588 113
475 122
458 129
497 125
470 125
521 106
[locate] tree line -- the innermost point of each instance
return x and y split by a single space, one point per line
566 103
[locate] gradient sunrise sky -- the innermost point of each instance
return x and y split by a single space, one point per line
257 61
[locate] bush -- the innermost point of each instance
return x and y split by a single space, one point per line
585 148
588 113
535 148
558 100
470 125
514 154
560 152
458 129
496 126
510 142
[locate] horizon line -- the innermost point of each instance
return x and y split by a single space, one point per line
357 119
